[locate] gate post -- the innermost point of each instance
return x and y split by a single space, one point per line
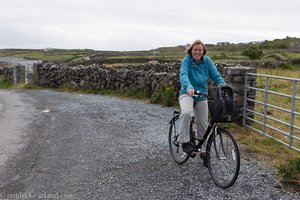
35 75
16 74
22 74
235 76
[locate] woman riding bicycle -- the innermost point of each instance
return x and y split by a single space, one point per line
195 71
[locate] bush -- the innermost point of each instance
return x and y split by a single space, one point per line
165 97
168 97
4 82
253 52
157 97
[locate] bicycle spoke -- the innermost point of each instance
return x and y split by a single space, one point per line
224 161
175 149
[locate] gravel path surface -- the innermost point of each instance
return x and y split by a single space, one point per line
100 147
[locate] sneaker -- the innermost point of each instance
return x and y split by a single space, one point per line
203 156
189 148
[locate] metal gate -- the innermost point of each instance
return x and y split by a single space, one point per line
276 110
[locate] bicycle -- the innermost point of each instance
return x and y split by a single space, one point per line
223 156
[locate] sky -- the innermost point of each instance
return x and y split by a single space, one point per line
133 25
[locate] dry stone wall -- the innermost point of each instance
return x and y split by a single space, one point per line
5 70
147 77
150 78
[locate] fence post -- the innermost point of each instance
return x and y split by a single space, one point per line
16 74
245 99
265 105
235 76
293 113
35 75
22 74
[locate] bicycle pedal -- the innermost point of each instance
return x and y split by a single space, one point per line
222 157
193 154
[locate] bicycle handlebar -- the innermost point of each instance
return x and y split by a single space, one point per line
198 93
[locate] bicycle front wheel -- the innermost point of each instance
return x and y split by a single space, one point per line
223 158
175 148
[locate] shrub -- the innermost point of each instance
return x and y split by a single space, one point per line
168 97
165 97
5 82
253 52
157 97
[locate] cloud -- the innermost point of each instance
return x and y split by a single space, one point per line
142 25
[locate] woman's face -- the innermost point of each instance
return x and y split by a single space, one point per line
197 52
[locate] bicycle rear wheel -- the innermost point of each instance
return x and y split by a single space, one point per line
223 158
175 148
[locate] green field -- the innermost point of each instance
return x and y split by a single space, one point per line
277 50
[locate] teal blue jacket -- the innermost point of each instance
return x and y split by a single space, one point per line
196 75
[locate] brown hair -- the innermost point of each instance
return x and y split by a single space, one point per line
189 50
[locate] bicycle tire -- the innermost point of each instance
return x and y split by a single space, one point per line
175 148
223 158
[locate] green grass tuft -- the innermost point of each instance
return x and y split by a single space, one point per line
5 82
290 172
165 97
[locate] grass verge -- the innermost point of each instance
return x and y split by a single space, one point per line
272 153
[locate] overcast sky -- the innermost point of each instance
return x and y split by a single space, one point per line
125 25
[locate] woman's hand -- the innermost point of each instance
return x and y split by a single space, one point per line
221 84
191 92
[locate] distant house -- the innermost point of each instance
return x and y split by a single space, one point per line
156 53
48 49
187 46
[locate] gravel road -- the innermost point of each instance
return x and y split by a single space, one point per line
74 146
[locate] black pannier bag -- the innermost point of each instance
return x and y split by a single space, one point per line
222 107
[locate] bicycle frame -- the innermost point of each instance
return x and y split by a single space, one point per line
222 149
212 126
